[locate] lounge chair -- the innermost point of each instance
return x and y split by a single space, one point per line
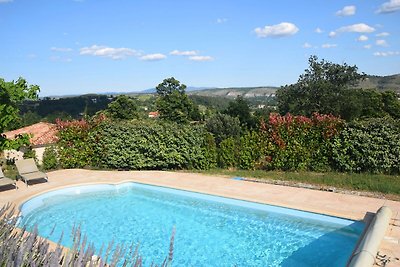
4 181
28 171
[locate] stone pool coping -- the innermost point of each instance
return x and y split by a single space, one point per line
329 203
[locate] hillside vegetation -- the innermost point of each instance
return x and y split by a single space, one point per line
382 83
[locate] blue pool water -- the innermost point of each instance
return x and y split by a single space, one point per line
210 231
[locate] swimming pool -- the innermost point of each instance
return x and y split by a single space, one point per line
210 230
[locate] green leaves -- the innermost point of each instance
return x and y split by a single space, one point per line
370 146
123 108
11 95
320 89
136 145
173 103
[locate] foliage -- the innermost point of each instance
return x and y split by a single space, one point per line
66 108
371 146
29 153
210 152
11 95
251 150
227 153
151 145
123 108
298 142
320 89
50 158
75 145
18 247
240 108
223 126
173 103
369 103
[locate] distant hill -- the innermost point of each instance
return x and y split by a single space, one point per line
382 83
232 92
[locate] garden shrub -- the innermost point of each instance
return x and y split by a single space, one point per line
223 126
371 145
298 142
50 158
250 150
29 153
152 145
75 145
227 153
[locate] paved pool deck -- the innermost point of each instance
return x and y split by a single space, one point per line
335 204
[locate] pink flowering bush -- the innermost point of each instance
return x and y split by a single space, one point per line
298 142
76 139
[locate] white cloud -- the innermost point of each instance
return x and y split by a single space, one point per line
153 57
346 11
332 34
387 54
5 1
221 20
201 58
368 46
110 52
389 7
329 45
307 45
278 30
318 30
61 49
381 42
362 38
360 28
383 34
183 53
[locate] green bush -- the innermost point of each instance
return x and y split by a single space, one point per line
250 150
152 145
298 142
371 145
75 143
29 153
227 153
50 158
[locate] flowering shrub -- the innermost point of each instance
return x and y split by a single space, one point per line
298 142
75 145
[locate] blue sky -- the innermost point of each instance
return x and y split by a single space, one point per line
82 46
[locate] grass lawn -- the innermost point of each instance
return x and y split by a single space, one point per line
387 186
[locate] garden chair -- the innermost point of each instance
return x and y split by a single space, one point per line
28 171
4 181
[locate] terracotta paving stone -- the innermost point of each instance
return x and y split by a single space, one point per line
335 204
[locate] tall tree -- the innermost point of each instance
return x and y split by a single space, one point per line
11 96
173 103
123 108
240 108
320 89
223 126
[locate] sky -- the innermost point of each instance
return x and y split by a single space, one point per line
97 46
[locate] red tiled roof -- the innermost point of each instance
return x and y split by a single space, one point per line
153 114
43 133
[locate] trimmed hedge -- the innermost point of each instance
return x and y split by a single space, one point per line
138 145
371 145
319 143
